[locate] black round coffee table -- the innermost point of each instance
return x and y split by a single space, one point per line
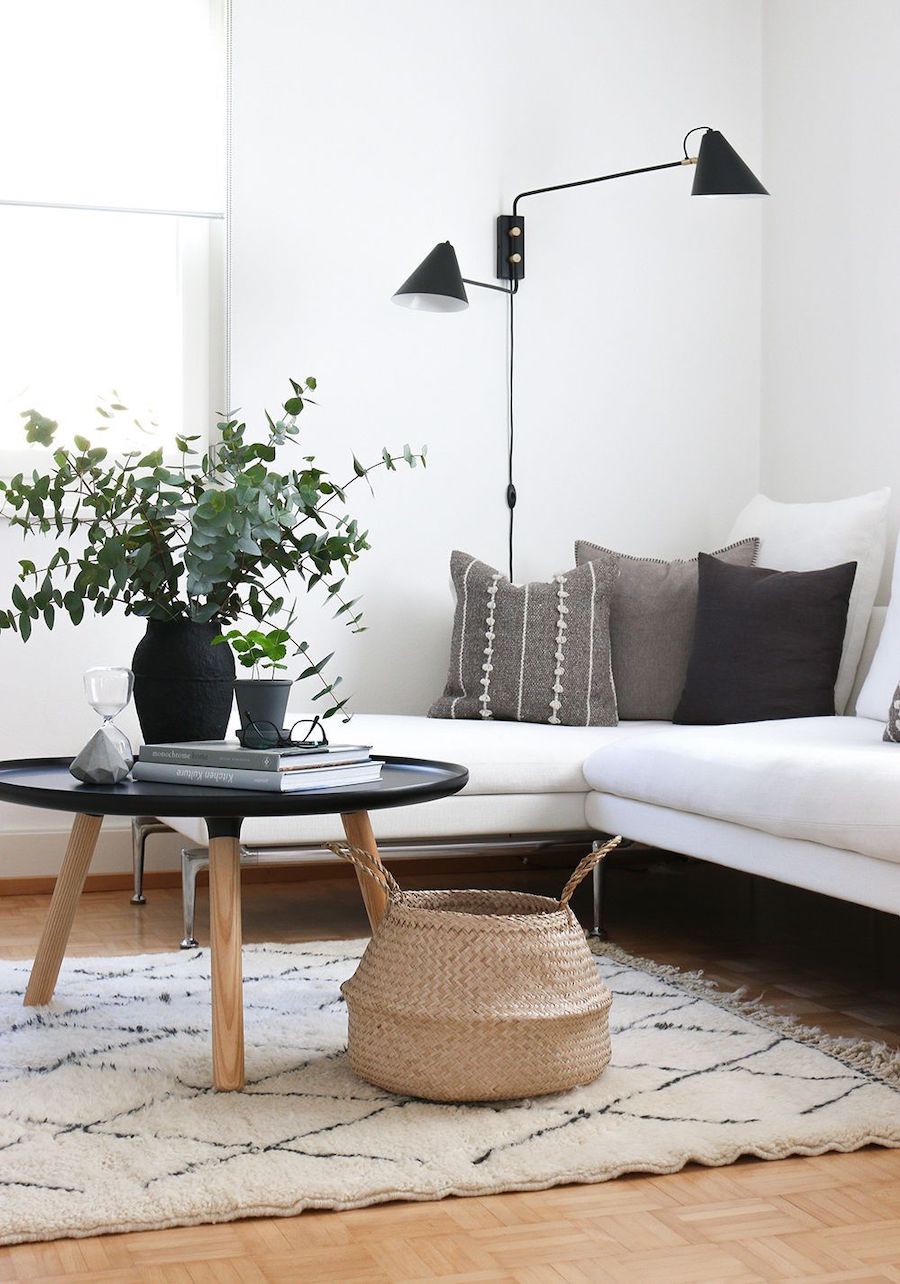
45 782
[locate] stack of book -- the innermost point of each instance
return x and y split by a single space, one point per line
227 765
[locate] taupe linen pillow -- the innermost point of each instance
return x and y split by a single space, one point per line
532 652
654 608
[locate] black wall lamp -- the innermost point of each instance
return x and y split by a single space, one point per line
437 284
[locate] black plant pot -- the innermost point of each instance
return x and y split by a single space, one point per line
262 700
183 685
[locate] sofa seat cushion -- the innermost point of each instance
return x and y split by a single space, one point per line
502 757
827 780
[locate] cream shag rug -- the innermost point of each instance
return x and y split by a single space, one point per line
108 1122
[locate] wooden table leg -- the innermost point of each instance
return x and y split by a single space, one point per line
225 953
63 903
358 829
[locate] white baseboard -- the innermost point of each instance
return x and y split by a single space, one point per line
36 853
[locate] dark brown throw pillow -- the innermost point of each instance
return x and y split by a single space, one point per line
767 644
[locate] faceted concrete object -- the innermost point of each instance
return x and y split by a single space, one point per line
101 761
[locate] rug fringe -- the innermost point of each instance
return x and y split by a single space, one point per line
867 1055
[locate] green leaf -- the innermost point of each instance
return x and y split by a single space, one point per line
315 669
345 606
336 708
82 443
293 405
204 614
75 606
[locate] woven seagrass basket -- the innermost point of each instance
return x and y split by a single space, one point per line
476 995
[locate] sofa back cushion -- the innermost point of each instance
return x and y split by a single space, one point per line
532 652
870 647
651 625
877 691
808 537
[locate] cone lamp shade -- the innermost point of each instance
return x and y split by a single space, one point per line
721 172
436 285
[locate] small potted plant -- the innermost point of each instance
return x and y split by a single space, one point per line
260 699
192 549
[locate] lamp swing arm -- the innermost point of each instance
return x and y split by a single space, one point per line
511 227
512 266
485 285
602 178
622 173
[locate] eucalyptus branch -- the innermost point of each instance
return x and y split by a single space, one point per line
213 538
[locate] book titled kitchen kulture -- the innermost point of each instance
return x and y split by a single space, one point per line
227 765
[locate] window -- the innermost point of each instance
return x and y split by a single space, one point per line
112 195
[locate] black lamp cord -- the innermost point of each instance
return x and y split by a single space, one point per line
511 426
509 290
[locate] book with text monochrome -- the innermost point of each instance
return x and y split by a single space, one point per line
287 782
231 754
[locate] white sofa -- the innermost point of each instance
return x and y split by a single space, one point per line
810 801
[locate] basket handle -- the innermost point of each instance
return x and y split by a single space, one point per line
593 858
366 863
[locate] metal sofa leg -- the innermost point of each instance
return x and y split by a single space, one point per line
598 931
141 828
192 860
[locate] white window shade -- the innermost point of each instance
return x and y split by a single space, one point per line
109 309
113 102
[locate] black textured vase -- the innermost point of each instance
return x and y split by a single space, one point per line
183 685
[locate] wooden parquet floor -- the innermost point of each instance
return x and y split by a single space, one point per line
826 1219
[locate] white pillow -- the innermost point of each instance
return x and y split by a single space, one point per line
809 537
877 692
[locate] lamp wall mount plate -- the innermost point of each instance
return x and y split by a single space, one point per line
510 247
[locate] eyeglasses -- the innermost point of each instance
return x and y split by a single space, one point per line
265 735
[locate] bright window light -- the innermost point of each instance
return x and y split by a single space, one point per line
120 106
97 320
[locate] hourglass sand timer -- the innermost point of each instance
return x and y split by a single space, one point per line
108 756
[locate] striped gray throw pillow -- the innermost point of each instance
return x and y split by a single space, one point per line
531 652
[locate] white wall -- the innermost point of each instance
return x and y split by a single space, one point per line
365 133
831 256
